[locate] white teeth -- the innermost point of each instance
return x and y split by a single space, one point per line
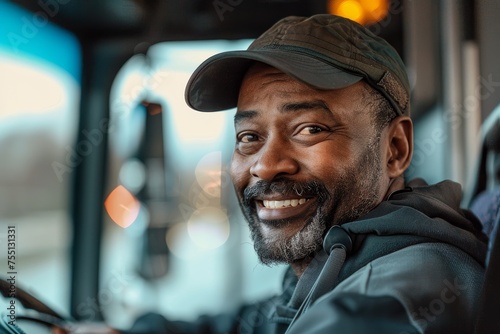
283 204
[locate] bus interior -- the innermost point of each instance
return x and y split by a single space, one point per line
119 193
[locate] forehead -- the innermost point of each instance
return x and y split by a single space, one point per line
261 74
262 69
267 86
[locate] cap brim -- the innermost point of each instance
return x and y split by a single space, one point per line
215 84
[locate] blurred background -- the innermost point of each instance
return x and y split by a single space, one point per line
120 193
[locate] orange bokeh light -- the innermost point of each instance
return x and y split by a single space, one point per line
362 11
122 207
350 9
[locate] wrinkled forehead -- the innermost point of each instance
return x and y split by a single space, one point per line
262 72
259 76
264 83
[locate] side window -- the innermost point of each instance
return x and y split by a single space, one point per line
39 97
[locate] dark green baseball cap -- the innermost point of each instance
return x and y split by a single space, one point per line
324 51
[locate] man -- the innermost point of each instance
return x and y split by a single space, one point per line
323 137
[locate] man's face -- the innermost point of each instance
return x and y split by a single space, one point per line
304 160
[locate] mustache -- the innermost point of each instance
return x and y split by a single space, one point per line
285 187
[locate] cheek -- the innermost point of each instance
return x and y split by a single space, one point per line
327 160
239 172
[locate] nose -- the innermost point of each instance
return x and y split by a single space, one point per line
274 159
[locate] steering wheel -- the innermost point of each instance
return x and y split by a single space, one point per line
37 317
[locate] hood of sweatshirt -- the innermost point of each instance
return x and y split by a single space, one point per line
423 211
417 214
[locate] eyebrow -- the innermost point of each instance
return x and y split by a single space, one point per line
307 105
242 115
286 108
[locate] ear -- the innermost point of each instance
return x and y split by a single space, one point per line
400 146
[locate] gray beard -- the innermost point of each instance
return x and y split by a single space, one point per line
282 250
355 194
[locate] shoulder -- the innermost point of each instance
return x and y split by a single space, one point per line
423 265
435 282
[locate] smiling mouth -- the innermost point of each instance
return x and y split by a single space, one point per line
268 204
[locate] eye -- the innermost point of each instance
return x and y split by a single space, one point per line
247 138
310 130
248 142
